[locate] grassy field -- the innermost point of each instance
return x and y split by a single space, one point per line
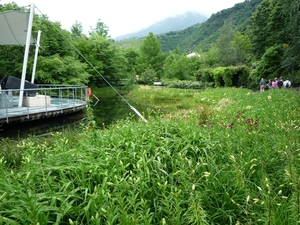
225 156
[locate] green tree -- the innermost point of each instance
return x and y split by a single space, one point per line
212 57
56 49
291 10
61 70
103 58
54 39
276 26
179 66
131 55
151 56
259 33
276 22
178 69
172 64
76 30
100 29
241 45
148 77
226 53
193 63
54 46
12 6
269 66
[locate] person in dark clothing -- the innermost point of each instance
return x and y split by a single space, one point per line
280 83
270 84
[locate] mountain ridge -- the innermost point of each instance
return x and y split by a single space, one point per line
202 34
206 33
174 23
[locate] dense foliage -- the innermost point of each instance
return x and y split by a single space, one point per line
224 156
230 157
261 35
273 32
64 57
206 33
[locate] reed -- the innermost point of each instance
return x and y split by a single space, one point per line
232 157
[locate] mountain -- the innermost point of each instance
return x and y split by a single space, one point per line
206 33
202 34
175 23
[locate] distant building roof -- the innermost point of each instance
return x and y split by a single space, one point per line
193 54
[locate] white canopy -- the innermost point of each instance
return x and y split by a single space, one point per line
13 27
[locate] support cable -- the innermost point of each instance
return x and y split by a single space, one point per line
131 107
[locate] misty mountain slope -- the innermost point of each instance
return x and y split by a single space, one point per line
206 33
176 23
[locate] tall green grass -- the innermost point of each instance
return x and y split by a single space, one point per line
230 158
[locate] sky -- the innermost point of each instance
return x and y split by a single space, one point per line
120 16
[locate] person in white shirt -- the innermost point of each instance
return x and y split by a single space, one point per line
287 83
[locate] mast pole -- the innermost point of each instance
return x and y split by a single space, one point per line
28 37
36 55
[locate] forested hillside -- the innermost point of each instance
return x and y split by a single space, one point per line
206 33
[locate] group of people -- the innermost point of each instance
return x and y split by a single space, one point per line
276 83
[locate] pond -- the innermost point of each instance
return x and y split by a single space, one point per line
44 126
106 112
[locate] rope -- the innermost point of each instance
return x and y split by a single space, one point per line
131 107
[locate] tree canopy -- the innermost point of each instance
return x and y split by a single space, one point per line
261 35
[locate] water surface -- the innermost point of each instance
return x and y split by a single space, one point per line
106 112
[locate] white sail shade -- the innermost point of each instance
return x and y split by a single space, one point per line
13 27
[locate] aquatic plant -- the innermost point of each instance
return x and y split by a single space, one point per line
231 158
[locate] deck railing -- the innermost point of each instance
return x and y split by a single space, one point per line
65 91
45 98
